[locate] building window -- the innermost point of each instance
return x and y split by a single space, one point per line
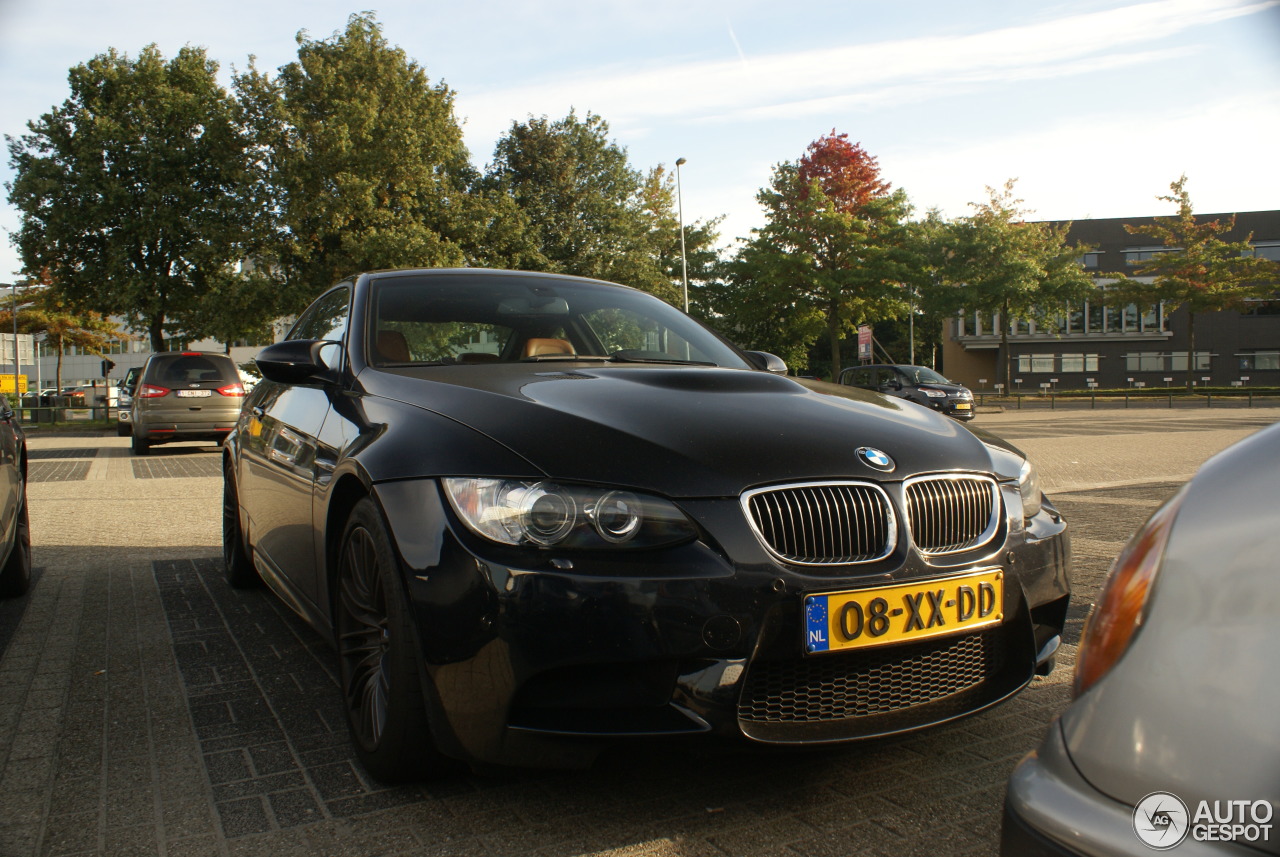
1115 320
1075 319
1145 361
1138 255
1267 251
1178 361
1130 314
1079 363
1094 312
1089 260
1150 320
1260 360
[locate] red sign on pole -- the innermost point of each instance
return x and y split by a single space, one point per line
864 342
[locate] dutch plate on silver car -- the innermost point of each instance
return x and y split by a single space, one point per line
538 513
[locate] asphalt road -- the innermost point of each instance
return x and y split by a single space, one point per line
145 708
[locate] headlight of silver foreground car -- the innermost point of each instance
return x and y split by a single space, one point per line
1029 488
547 514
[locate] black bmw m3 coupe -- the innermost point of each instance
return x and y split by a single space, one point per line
537 513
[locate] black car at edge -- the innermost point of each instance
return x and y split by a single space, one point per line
918 384
538 513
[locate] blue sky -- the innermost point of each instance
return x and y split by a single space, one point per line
1095 106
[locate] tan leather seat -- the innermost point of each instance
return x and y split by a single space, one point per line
540 347
393 347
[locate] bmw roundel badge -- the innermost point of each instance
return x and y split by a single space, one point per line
873 457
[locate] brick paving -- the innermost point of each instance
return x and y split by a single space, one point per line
147 708
175 468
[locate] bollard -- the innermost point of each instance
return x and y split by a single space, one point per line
1093 400
1051 405
1208 400
1126 399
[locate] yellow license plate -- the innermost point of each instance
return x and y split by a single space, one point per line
963 406
903 613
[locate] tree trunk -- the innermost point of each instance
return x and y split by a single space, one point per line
1191 349
1004 348
833 336
57 381
155 331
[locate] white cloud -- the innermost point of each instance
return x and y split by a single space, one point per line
864 73
1098 165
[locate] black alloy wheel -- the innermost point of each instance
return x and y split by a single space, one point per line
238 566
15 577
381 690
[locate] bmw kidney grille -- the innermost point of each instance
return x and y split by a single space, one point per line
845 523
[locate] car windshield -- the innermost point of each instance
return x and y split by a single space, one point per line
923 375
192 369
467 318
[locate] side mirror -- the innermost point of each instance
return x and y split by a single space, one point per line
294 361
767 362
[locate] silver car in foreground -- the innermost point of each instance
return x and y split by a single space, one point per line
1173 741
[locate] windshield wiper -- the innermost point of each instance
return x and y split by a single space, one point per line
621 358
572 358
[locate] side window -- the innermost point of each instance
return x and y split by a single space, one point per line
326 318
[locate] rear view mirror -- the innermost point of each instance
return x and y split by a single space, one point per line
534 306
293 361
767 362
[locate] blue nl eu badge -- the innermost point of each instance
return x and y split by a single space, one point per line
816 627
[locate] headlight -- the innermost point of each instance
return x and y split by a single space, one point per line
546 514
1126 595
933 394
1029 488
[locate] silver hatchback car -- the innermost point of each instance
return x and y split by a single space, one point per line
185 395
1173 741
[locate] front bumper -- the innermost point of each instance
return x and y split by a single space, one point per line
1050 810
526 658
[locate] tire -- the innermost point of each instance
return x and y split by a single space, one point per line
123 429
237 565
15 577
141 446
381 688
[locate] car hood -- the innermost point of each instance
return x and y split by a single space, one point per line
684 431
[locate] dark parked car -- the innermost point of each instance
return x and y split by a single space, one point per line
15 546
124 401
184 395
536 513
1173 740
918 384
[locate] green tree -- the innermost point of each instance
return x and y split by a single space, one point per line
1201 272
133 191
589 212
42 310
995 261
835 252
658 206
363 158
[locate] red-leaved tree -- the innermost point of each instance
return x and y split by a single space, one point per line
832 253
848 176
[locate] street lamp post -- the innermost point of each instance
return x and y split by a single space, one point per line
684 262
16 370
